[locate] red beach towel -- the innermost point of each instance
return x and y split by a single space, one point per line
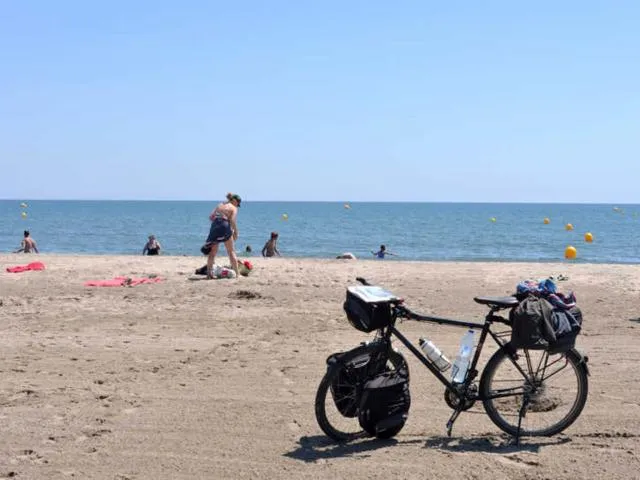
122 282
24 268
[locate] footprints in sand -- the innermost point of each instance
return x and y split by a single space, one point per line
26 456
281 373
519 460
23 396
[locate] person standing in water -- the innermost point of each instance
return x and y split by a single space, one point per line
152 247
224 229
28 244
270 248
382 252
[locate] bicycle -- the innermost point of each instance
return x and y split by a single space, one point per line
518 388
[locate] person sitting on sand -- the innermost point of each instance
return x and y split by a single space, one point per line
382 252
152 247
224 229
270 248
346 256
28 244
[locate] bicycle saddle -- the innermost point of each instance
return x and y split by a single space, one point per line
502 302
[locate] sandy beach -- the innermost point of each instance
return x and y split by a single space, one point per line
216 379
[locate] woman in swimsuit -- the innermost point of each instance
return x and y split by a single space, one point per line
152 247
224 229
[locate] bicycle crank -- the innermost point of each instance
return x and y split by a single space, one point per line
453 400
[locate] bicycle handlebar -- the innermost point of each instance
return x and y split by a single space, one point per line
408 314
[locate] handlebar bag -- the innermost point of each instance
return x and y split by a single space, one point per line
368 308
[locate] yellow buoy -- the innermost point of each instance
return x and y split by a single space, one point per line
568 227
24 214
588 237
23 205
493 219
570 252
546 221
285 216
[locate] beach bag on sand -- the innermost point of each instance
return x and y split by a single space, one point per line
385 403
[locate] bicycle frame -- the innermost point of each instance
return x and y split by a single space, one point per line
472 373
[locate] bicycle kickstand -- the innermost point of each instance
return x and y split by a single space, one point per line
452 419
521 414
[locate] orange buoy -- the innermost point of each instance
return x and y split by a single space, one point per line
570 252
568 227
546 221
588 237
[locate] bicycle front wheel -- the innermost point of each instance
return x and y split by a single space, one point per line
339 392
544 392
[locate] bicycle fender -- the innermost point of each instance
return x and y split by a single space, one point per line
584 360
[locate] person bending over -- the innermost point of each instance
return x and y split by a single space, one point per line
224 229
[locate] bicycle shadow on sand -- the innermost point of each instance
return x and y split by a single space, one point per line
313 448
319 447
491 443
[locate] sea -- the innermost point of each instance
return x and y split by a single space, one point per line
494 232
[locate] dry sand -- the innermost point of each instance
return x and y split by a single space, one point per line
192 380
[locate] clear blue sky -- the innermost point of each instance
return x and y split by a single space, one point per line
321 100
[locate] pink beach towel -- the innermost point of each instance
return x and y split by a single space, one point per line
24 268
122 282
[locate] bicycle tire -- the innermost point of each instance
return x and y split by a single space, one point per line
323 396
500 358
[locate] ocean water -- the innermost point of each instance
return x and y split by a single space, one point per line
413 231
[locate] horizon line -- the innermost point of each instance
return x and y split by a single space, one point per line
315 201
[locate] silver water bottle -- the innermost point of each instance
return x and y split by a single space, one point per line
434 354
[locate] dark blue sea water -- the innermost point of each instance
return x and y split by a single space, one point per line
414 231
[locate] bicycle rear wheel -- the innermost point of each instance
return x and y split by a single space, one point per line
552 387
340 390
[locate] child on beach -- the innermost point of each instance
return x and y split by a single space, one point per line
224 229
270 248
382 252
28 244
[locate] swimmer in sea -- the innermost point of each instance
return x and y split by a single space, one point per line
382 252
28 244
152 247
270 248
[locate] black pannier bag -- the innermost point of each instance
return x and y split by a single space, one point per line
537 325
364 314
385 403
531 324
346 388
567 325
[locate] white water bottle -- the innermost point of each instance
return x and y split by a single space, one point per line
434 354
461 364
